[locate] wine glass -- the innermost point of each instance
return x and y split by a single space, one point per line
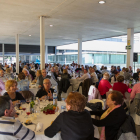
23 108
28 112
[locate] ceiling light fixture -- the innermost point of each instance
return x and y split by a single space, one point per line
51 25
30 35
101 2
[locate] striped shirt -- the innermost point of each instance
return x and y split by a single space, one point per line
11 129
135 90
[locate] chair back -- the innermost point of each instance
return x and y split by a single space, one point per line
85 86
93 93
97 100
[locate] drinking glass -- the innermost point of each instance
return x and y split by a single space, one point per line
28 112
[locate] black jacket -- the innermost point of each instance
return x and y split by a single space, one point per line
127 127
65 76
43 92
18 96
63 85
112 122
73 126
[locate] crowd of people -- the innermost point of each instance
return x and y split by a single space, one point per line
76 123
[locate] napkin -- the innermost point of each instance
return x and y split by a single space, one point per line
39 127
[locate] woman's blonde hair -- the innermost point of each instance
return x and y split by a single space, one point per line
8 70
65 71
39 71
9 84
106 76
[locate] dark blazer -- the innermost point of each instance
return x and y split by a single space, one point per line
41 92
112 122
73 126
18 96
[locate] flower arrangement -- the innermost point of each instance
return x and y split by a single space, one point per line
49 109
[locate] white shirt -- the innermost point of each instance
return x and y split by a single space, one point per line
94 77
85 76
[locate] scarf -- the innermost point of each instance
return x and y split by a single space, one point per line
106 113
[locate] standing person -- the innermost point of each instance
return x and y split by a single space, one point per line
75 124
104 85
11 129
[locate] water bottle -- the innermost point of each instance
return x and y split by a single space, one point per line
63 105
55 98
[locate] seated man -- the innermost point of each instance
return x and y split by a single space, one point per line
85 76
42 77
94 76
46 90
11 129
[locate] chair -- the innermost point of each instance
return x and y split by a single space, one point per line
63 87
27 94
93 93
85 86
135 109
65 94
97 100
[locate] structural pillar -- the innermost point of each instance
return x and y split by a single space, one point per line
17 53
46 54
130 41
80 51
3 53
42 43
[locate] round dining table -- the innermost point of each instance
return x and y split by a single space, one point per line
46 121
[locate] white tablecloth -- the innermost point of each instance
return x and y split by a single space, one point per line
46 120
34 90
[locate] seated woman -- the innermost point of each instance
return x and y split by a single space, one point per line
11 87
114 77
120 86
46 90
65 74
23 86
111 118
8 73
38 73
104 85
75 124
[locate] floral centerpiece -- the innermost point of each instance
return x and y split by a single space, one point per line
49 109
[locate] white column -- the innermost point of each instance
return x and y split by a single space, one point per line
130 41
80 51
46 54
17 53
55 56
42 43
3 53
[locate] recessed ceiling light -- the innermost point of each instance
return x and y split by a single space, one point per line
51 25
101 2
30 35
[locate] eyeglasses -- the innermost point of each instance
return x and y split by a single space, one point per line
47 83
